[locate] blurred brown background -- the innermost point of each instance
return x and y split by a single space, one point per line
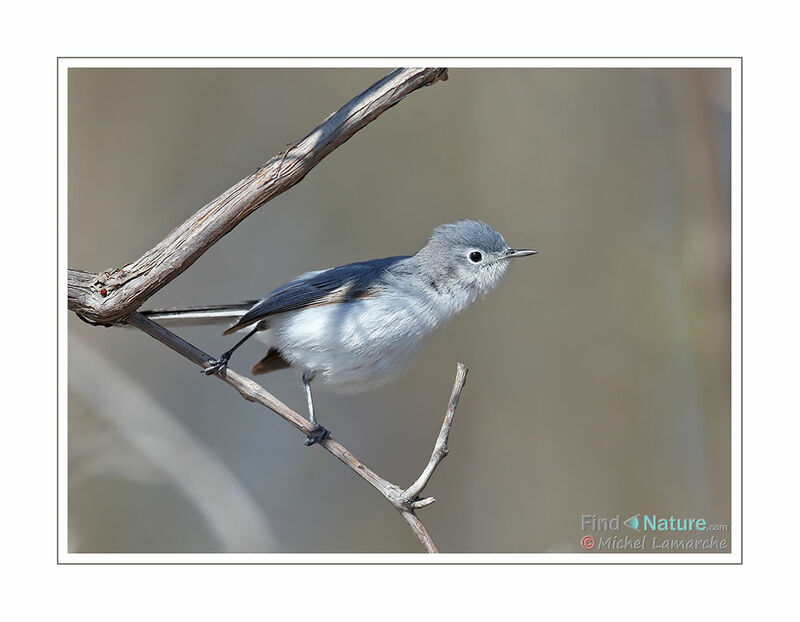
599 369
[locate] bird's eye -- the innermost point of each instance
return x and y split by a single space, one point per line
475 257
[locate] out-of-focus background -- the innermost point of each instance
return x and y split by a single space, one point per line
599 369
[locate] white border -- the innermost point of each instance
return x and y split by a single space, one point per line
391 62
735 556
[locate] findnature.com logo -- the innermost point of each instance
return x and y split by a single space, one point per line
652 523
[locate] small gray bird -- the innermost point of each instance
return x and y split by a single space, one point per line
360 325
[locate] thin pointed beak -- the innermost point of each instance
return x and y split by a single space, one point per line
519 252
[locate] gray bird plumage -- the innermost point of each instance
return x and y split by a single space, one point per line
336 285
358 326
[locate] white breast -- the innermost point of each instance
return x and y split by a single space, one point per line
358 345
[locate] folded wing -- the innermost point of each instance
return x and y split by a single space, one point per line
336 285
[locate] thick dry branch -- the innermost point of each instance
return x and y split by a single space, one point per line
404 501
112 295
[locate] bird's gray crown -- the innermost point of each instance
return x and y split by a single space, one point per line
468 233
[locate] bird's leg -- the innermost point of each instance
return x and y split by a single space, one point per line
307 378
318 433
222 362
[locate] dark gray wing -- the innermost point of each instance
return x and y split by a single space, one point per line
335 285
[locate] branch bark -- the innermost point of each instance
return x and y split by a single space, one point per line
109 297
404 501
440 449
112 296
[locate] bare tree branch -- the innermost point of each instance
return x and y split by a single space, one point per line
113 296
440 448
110 296
404 501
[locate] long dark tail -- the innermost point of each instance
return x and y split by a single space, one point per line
198 316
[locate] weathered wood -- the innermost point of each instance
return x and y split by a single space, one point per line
404 501
113 296
110 296
440 449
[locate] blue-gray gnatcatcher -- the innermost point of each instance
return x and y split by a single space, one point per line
360 325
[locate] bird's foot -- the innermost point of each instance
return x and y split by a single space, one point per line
220 364
317 434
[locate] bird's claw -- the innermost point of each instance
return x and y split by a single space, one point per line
317 434
220 364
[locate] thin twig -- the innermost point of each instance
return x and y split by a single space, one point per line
113 296
440 448
419 530
108 297
405 501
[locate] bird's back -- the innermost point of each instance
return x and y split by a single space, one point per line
322 287
362 341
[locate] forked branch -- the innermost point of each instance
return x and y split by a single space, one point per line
114 295
404 501
440 449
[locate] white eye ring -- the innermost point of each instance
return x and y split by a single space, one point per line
475 256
